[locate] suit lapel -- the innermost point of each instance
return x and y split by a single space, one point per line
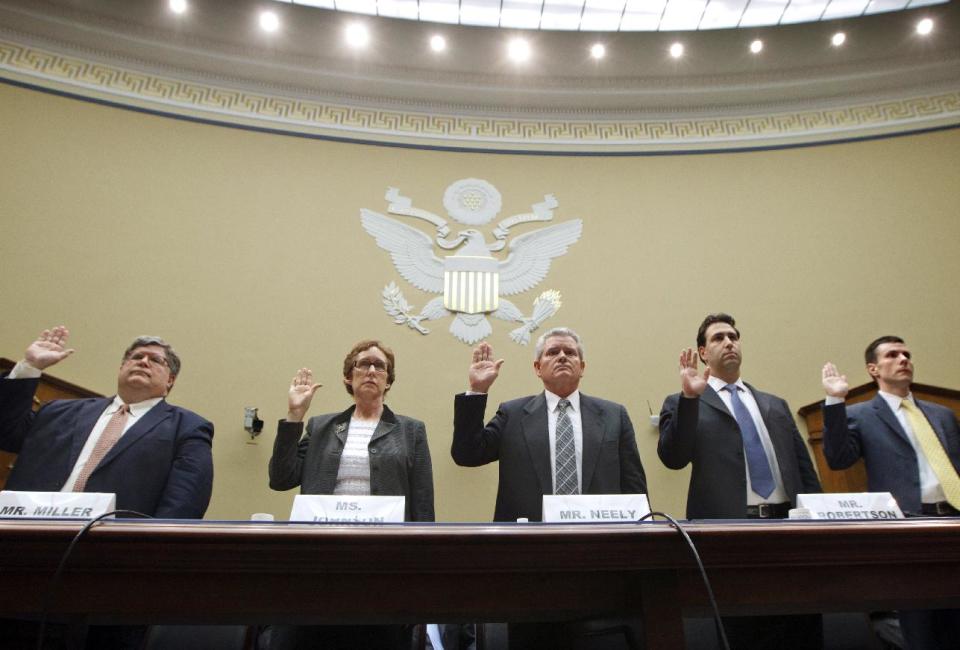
82 425
147 423
712 399
387 423
935 424
537 434
889 418
591 421
780 439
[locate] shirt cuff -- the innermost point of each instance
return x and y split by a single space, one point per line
24 370
831 400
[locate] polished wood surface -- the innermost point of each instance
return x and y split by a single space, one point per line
245 572
854 478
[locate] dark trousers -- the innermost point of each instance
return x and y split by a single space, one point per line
931 629
339 637
800 632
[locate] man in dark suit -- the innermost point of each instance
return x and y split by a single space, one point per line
748 459
522 436
159 460
911 449
559 441
155 457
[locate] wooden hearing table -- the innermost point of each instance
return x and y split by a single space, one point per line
136 571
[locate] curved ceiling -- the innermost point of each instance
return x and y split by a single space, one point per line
215 63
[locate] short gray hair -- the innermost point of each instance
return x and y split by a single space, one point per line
557 331
173 361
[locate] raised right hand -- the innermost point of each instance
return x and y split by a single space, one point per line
692 384
484 370
835 384
300 395
49 348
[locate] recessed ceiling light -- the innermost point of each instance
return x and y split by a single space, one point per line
518 50
925 26
178 6
269 21
838 39
756 46
357 35
438 43
598 51
676 50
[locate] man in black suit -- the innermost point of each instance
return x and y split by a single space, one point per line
748 459
522 436
559 441
920 468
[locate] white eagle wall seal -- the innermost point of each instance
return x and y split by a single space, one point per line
471 281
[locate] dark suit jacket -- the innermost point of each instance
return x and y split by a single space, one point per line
399 459
871 430
162 466
518 437
703 432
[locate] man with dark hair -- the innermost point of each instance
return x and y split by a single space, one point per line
911 449
154 456
748 460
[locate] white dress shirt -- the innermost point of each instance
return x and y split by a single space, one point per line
779 495
573 412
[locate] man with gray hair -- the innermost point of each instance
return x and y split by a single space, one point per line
559 441
154 456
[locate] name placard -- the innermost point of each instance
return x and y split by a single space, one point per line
347 509
851 505
56 505
572 508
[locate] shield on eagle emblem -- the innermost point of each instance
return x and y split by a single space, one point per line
471 284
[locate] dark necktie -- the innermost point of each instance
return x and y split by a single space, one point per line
566 453
761 478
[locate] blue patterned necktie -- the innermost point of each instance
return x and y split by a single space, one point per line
761 478
566 453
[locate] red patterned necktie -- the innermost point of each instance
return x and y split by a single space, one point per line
106 442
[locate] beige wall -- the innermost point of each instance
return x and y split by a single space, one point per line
245 250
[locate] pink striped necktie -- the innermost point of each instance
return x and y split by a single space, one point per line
108 439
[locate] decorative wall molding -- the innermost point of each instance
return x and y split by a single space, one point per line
168 94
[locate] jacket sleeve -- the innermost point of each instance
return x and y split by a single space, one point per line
16 411
421 479
473 443
809 481
678 430
841 437
289 450
633 480
190 483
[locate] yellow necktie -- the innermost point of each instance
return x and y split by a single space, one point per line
935 453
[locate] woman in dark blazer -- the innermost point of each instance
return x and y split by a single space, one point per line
365 450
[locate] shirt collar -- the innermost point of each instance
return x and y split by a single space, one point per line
895 401
717 384
137 409
553 400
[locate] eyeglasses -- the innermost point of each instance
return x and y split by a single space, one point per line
154 359
379 367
